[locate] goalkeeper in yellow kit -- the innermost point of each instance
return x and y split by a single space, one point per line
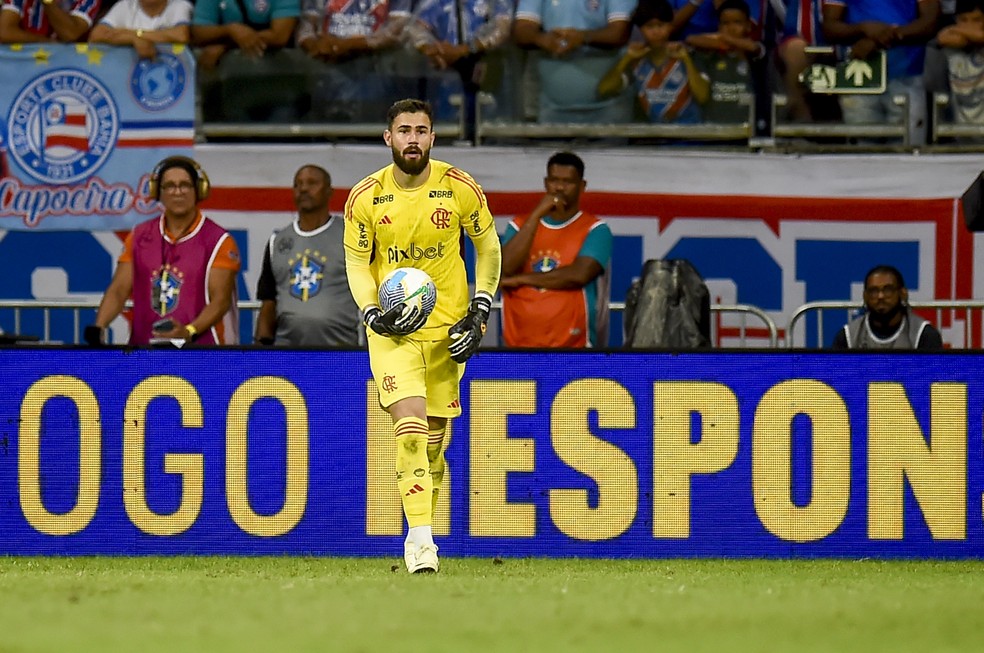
412 214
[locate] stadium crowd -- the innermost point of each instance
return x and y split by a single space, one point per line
537 61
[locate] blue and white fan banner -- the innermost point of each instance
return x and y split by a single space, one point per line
83 126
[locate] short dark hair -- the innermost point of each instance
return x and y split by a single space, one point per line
190 166
885 269
648 10
409 105
740 5
316 167
182 162
567 159
967 6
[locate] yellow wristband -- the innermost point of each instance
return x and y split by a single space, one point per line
192 331
140 33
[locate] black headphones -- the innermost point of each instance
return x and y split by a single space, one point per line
202 185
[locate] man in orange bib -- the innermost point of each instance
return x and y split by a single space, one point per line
556 267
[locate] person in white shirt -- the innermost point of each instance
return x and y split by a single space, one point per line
145 23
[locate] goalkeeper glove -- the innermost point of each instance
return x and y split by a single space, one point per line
401 320
467 334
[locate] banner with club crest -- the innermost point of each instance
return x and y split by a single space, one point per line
83 126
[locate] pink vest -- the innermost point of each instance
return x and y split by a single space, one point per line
171 279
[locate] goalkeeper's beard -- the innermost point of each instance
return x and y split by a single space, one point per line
412 168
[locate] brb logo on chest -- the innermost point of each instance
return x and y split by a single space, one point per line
62 126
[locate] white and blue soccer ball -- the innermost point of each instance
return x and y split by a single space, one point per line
410 285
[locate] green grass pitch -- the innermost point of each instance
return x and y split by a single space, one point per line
219 604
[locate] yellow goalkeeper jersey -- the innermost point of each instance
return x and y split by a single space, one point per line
389 227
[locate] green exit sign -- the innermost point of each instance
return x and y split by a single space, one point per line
825 75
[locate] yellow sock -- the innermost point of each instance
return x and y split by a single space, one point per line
412 470
435 456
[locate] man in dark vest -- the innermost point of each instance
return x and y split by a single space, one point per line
887 322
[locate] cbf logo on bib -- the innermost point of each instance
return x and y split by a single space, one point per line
306 273
165 285
62 126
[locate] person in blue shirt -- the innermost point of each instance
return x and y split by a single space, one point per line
576 43
701 16
455 36
899 27
353 48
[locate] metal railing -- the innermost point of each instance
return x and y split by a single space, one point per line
697 132
325 130
967 306
941 128
481 128
840 129
743 311
75 307
484 129
46 307
711 132
744 331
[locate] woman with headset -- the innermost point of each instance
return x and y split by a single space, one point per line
179 268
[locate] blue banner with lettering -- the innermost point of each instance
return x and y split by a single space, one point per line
634 454
83 127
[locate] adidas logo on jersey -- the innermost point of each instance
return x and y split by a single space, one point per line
454 404
386 220
416 489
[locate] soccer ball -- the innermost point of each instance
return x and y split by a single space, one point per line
410 285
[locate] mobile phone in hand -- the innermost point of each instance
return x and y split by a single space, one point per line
163 325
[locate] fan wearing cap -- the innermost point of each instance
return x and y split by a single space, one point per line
179 268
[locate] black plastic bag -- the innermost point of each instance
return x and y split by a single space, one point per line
668 306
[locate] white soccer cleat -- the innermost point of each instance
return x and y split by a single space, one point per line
410 554
421 559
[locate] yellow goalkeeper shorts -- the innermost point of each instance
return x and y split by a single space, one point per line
404 367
